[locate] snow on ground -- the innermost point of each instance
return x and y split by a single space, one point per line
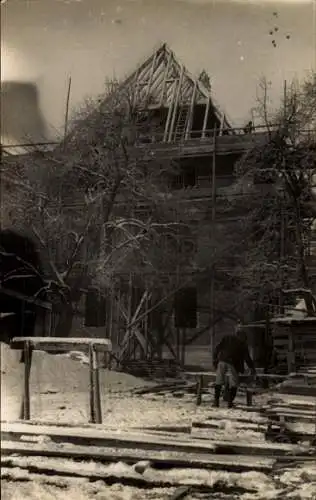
56 488
59 388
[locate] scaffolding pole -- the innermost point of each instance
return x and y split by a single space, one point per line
212 337
67 111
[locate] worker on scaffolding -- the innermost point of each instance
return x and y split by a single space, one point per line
229 359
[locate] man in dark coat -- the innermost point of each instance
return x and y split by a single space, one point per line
229 358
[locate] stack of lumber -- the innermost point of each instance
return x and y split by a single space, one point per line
167 448
151 368
302 383
291 418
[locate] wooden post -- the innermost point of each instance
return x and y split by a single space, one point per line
222 124
178 343
207 108
191 111
67 111
129 315
212 235
183 346
95 397
282 255
146 326
26 415
291 352
249 397
91 386
199 389
176 103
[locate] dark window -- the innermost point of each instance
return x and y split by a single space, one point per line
185 308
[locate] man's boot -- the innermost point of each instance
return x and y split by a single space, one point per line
232 395
217 395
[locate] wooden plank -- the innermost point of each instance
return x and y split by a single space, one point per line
235 418
132 440
306 429
62 344
105 438
292 416
171 459
197 426
299 390
293 411
250 426
212 375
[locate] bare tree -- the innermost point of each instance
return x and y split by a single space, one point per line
273 194
98 205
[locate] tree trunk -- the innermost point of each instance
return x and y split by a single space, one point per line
64 325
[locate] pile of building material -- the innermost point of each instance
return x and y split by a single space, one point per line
154 369
50 449
292 409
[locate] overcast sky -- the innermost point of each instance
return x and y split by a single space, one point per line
45 41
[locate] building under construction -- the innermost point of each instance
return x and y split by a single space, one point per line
186 126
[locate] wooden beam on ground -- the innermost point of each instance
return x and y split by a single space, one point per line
211 374
105 438
222 414
171 459
143 441
298 390
291 416
62 344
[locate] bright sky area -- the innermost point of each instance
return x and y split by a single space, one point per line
46 41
